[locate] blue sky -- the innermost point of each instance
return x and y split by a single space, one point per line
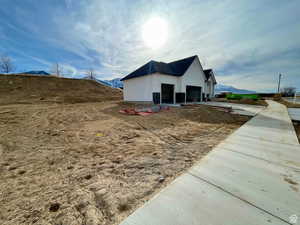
246 42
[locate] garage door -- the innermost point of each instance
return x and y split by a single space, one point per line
193 93
167 93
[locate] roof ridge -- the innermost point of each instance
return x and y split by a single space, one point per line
190 57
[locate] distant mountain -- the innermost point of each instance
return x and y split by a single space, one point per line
98 80
36 72
103 82
225 88
116 83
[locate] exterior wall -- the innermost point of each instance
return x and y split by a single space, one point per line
212 89
209 87
141 88
138 89
159 79
206 87
193 76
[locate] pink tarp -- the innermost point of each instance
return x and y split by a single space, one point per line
144 111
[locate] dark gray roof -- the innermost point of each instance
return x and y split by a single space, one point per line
207 73
176 68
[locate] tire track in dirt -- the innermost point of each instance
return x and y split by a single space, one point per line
1 151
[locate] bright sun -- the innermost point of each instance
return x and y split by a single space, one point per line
155 32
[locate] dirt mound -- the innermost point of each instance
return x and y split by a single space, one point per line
34 89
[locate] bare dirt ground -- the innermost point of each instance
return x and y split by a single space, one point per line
297 129
87 164
242 101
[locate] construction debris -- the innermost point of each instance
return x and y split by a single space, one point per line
219 108
145 111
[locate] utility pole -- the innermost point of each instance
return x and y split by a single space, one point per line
57 70
279 79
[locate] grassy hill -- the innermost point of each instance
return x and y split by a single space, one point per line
38 89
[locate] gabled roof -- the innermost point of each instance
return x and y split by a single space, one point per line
209 73
176 68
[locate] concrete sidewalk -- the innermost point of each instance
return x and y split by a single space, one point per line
251 178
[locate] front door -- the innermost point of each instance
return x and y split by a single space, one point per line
167 93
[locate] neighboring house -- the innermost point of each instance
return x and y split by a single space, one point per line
175 82
210 82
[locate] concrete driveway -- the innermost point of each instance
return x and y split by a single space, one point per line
242 109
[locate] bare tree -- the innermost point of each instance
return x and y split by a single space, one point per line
6 64
57 69
91 74
288 91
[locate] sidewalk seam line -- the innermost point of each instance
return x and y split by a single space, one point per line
265 140
255 157
230 193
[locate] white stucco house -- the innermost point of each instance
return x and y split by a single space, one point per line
175 82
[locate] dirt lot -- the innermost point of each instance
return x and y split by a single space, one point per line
87 164
297 129
242 101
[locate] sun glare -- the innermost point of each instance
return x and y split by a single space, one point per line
155 32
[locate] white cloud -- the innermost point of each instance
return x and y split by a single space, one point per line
68 70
